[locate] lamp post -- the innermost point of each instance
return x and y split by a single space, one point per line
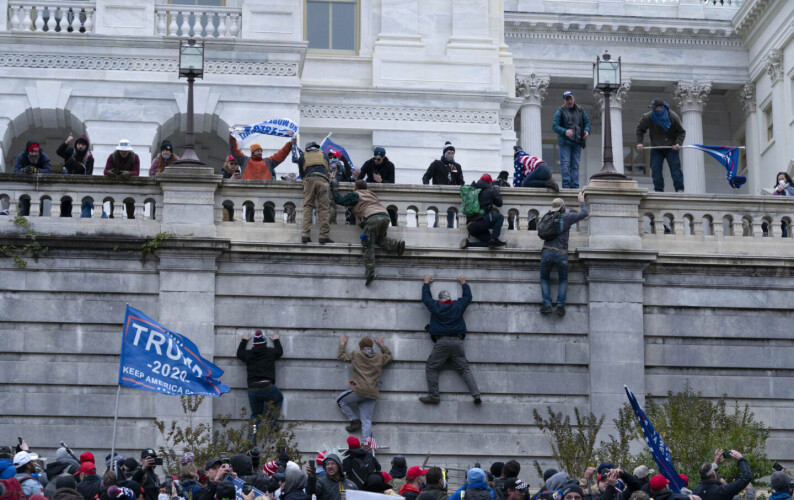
191 66
606 77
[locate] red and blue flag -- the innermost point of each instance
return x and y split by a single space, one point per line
728 156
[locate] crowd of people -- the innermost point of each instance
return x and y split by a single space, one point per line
333 473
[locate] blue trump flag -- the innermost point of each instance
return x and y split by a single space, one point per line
154 358
659 450
328 145
728 156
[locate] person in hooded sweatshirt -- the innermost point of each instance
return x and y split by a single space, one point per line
399 467
358 463
333 484
64 465
260 363
378 482
78 159
88 483
667 134
32 160
780 482
447 330
66 489
243 467
476 487
294 484
445 172
486 227
363 393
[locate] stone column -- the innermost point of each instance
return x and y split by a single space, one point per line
748 103
773 65
615 262
616 101
533 90
691 98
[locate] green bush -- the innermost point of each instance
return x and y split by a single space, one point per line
206 442
571 445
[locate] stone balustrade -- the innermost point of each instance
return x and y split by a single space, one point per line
51 16
197 21
706 223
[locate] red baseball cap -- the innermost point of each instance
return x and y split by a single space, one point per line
87 467
658 483
415 472
685 478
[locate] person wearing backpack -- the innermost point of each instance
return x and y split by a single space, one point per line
554 228
25 465
483 224
358 463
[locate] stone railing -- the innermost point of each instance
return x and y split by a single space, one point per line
51 16
56 195
272 211
197 21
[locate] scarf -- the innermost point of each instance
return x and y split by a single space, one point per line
662 117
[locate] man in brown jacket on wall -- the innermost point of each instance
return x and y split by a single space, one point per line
367 368
373 217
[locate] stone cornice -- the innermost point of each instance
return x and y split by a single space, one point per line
748 14
392 113
617 30
155 64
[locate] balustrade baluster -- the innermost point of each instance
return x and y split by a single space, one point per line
737 227
35 206
197 29
139 210
173 28
234 27
27 23
185 28
756 228
75 25
51 24
63 25
89 20
39 24
161 27
15 23
222 29
658 225
238 213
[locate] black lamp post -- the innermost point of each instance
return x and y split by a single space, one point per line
606 77
191 66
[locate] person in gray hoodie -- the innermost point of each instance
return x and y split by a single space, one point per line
333 484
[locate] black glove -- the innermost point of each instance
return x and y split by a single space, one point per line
516 151
254 454
283 456
335 183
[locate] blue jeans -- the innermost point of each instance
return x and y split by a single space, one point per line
450 219
673 161
87 209
258 398
549 259
538 177
485 229
570 154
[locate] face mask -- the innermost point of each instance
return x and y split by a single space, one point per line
166 155
162 496
449 156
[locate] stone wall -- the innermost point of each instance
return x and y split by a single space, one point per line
645 309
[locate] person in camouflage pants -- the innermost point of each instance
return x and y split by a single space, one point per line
374 219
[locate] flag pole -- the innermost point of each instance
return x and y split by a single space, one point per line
115 421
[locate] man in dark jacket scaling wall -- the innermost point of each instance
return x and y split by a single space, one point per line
447 329
260 363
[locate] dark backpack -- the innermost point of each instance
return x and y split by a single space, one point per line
550 225
357 470
470 201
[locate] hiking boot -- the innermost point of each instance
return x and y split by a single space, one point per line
561 311
496 243
370 279
464 243
546 310
305 239
400 248
429 400
323 241
477 400
550 184
353 426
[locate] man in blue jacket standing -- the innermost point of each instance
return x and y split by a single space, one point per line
572 126
447 329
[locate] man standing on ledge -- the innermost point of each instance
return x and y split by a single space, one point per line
447 330
668 134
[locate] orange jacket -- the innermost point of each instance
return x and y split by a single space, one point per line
261 169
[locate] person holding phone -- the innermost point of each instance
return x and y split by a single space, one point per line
145 475
710 486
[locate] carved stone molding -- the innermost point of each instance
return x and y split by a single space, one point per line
506 123
622 34
143 64
747 97
532 88
398 114
692 96
773 65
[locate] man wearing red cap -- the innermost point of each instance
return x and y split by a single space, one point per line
32 160
260 362
415 482
486 226
88 482
358 464
660 491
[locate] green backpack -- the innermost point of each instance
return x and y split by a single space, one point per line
470 201
550 225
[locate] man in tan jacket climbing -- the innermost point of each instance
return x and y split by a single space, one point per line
364 388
